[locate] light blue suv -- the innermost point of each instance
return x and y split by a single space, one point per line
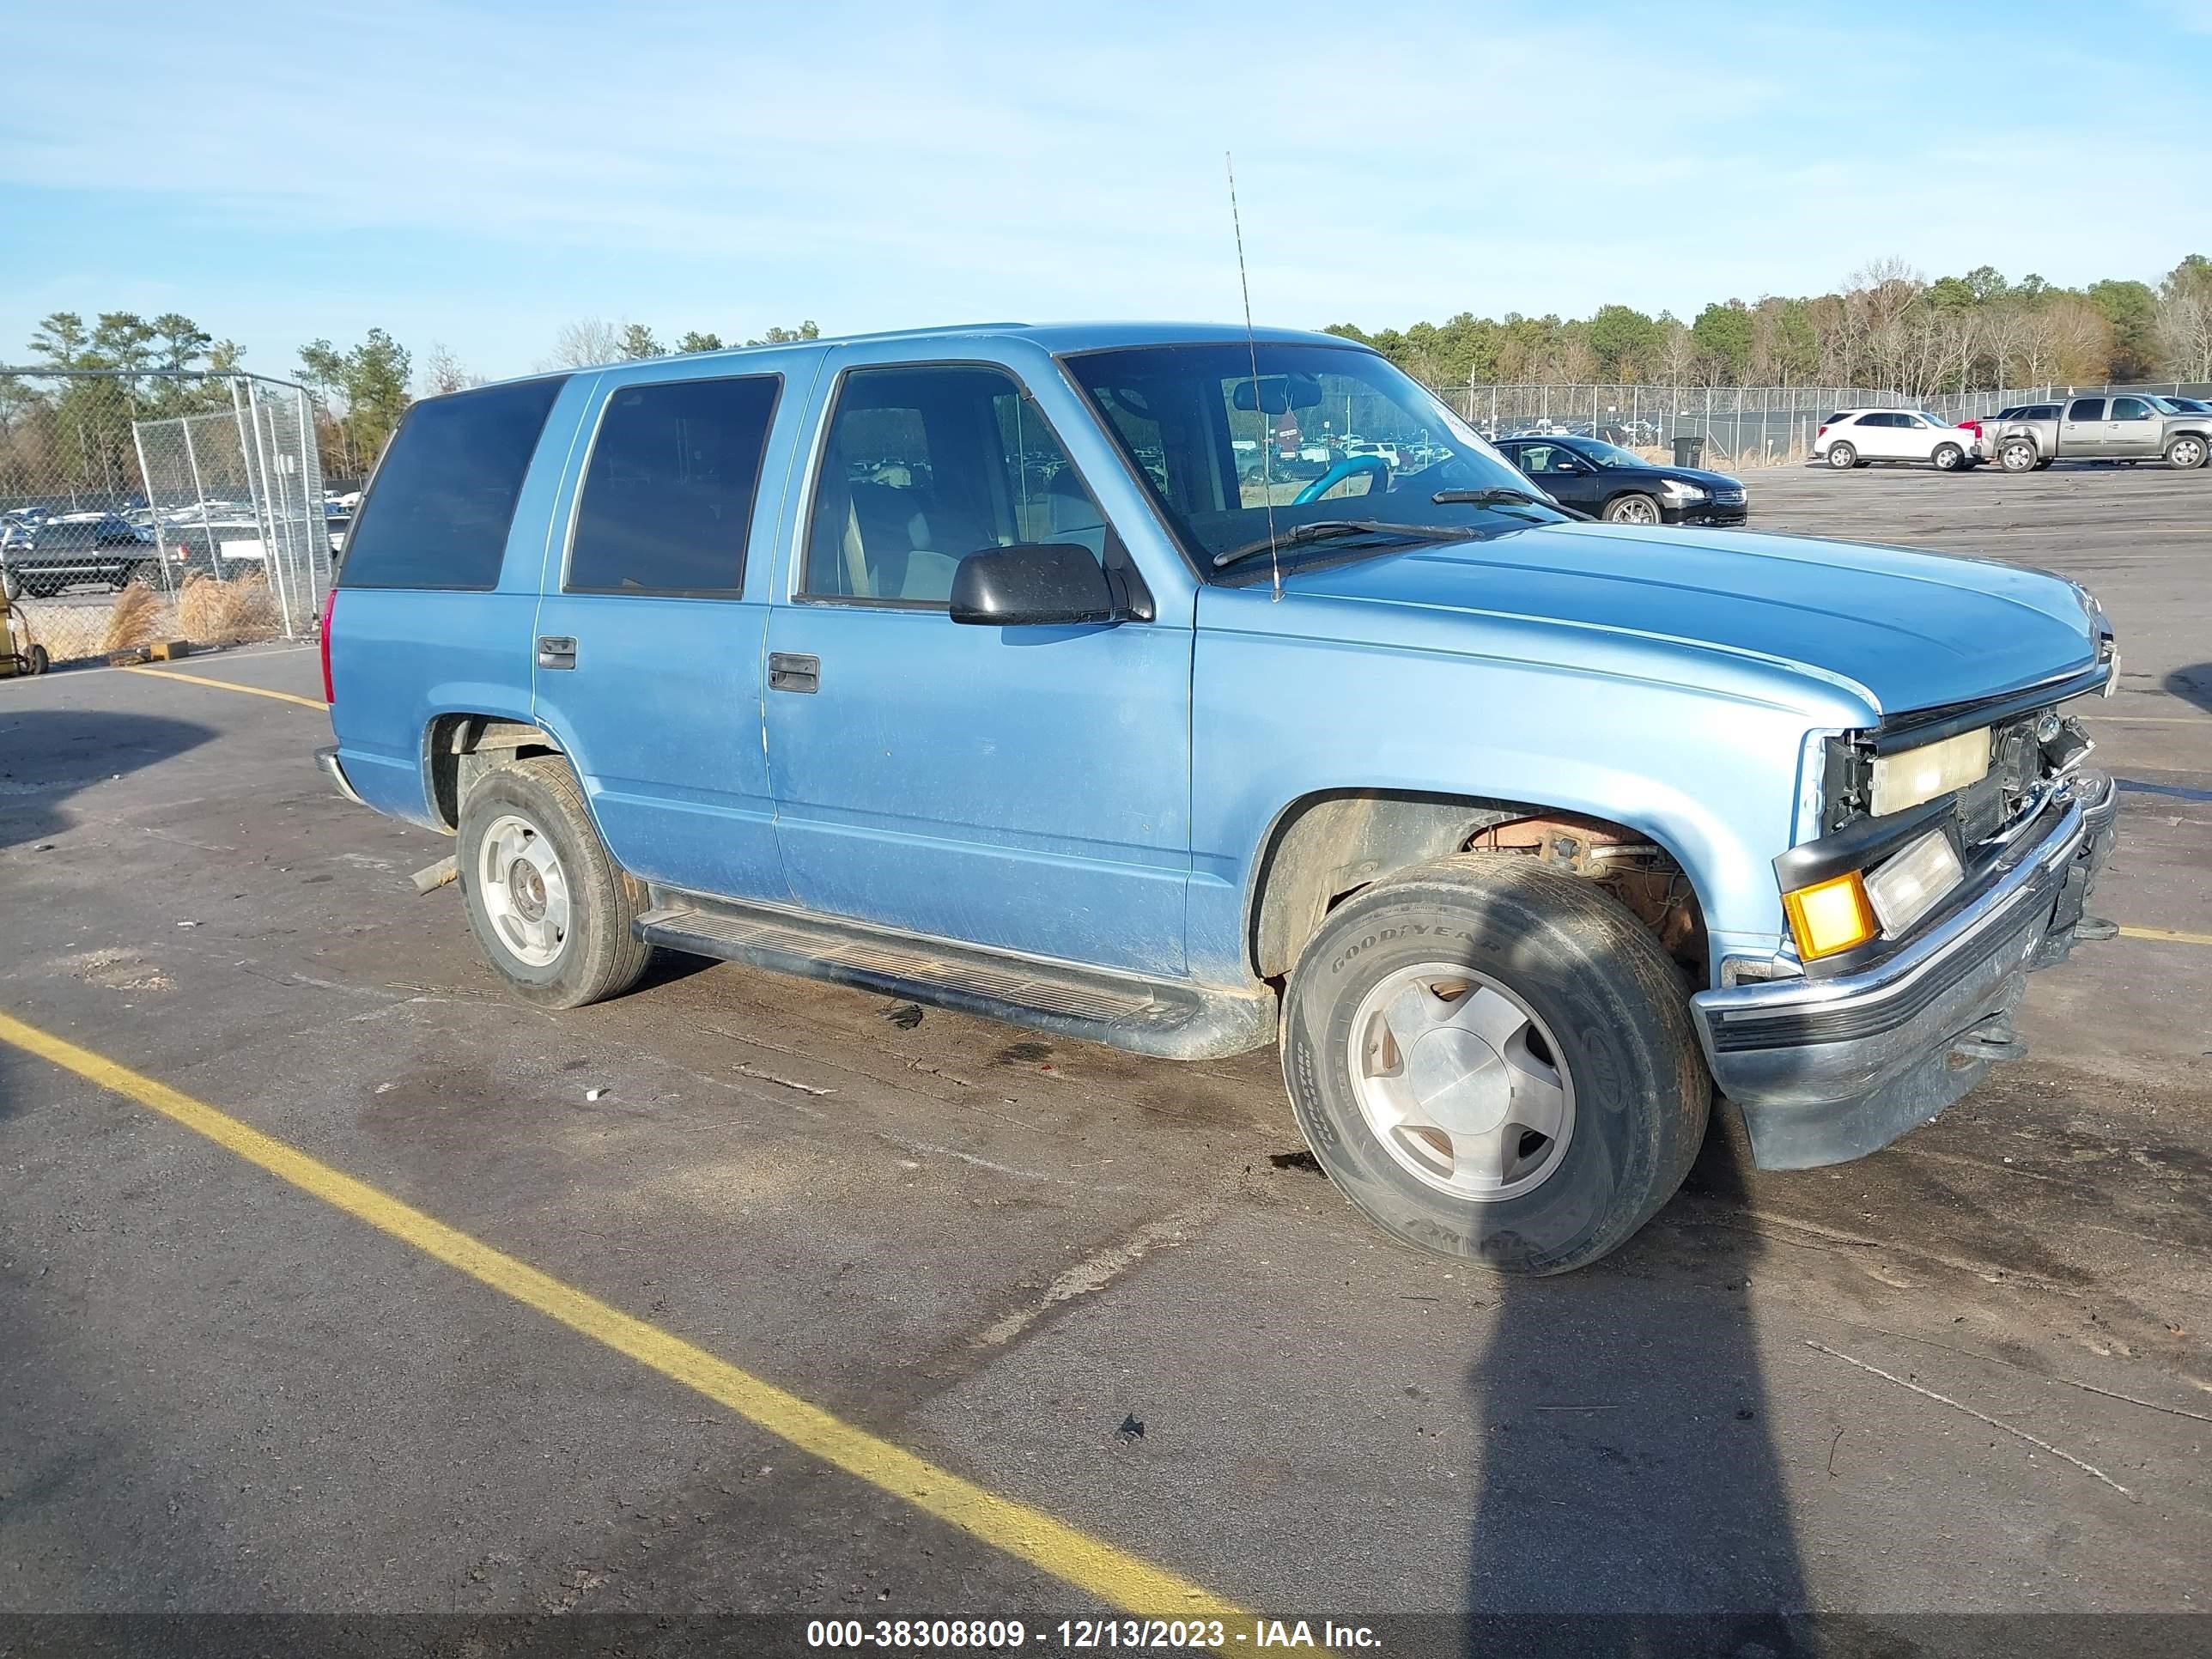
1041 672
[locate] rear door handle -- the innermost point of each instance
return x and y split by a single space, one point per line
789 670
556 651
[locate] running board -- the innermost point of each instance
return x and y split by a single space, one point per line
1172 1021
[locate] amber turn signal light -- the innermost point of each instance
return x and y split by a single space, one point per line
1830 916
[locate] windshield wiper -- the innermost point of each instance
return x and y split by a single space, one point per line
1500 495
1321 530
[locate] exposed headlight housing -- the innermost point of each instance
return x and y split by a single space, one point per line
1902 781
1678 494
1907 885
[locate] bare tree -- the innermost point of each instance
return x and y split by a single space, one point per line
442 373
1677 352
2185 319
585 343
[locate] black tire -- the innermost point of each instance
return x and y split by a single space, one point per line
600 955
1618 1016
1633 508
2044 464
1843 456
2186 450
1947 458
35 659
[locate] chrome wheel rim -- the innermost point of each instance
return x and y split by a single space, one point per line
524 889
1461 1082
2019 457
2188 452
1839 457
1635 513
1946 459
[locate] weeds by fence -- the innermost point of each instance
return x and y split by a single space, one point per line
159 505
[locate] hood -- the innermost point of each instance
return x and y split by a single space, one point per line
1693 475
1912 630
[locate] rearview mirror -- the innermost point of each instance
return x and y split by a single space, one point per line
1271 394
1031 584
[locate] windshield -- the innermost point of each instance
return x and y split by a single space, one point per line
1337 436
1604 454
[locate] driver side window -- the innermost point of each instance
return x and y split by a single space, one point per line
924 466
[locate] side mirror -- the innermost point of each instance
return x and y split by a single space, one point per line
1032 584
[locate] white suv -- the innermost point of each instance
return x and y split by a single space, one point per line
1859 437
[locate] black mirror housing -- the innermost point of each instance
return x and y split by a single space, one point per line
1032 584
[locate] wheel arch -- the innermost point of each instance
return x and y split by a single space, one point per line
458 747
1328 845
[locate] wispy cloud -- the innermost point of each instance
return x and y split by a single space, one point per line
483 171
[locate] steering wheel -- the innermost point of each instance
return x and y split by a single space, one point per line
1349 466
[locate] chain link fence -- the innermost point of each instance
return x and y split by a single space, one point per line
1736 426
140 508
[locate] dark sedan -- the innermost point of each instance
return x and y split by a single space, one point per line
41 557
1621 487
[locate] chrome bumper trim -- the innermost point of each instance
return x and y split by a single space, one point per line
328 760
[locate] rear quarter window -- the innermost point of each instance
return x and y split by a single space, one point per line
438 512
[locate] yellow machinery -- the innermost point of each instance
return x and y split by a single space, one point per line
19 653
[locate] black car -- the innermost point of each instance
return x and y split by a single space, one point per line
1621 487
42 558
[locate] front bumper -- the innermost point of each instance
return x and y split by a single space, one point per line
1827 1070
1706 512
328 760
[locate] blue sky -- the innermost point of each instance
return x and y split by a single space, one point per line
477 175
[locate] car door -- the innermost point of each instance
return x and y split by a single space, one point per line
1876 436
1564 474
649 652
2133 429
2082 428
1023 788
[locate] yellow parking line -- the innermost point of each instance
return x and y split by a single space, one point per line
2168 934
1029 1535
229 685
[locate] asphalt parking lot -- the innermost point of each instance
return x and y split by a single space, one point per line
1965 1377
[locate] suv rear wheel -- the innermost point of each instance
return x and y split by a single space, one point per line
1495 1062
1842 456
552 910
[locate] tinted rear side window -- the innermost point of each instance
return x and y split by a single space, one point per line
668 496
438 513
2087 409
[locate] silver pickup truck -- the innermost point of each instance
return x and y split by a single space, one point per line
2128 427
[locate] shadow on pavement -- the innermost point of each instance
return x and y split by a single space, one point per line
1631 1500
47 755
2192 686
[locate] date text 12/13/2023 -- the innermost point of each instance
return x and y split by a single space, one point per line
1083 1635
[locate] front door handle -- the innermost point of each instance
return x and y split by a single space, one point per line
556 651
789 670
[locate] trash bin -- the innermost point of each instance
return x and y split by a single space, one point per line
1689 452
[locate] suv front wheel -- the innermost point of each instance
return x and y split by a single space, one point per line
1495 1062
552 911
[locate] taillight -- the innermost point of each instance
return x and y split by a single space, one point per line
1823 432
330 610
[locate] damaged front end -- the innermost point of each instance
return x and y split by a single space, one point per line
1956 853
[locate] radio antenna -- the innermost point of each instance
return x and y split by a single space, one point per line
1252 347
